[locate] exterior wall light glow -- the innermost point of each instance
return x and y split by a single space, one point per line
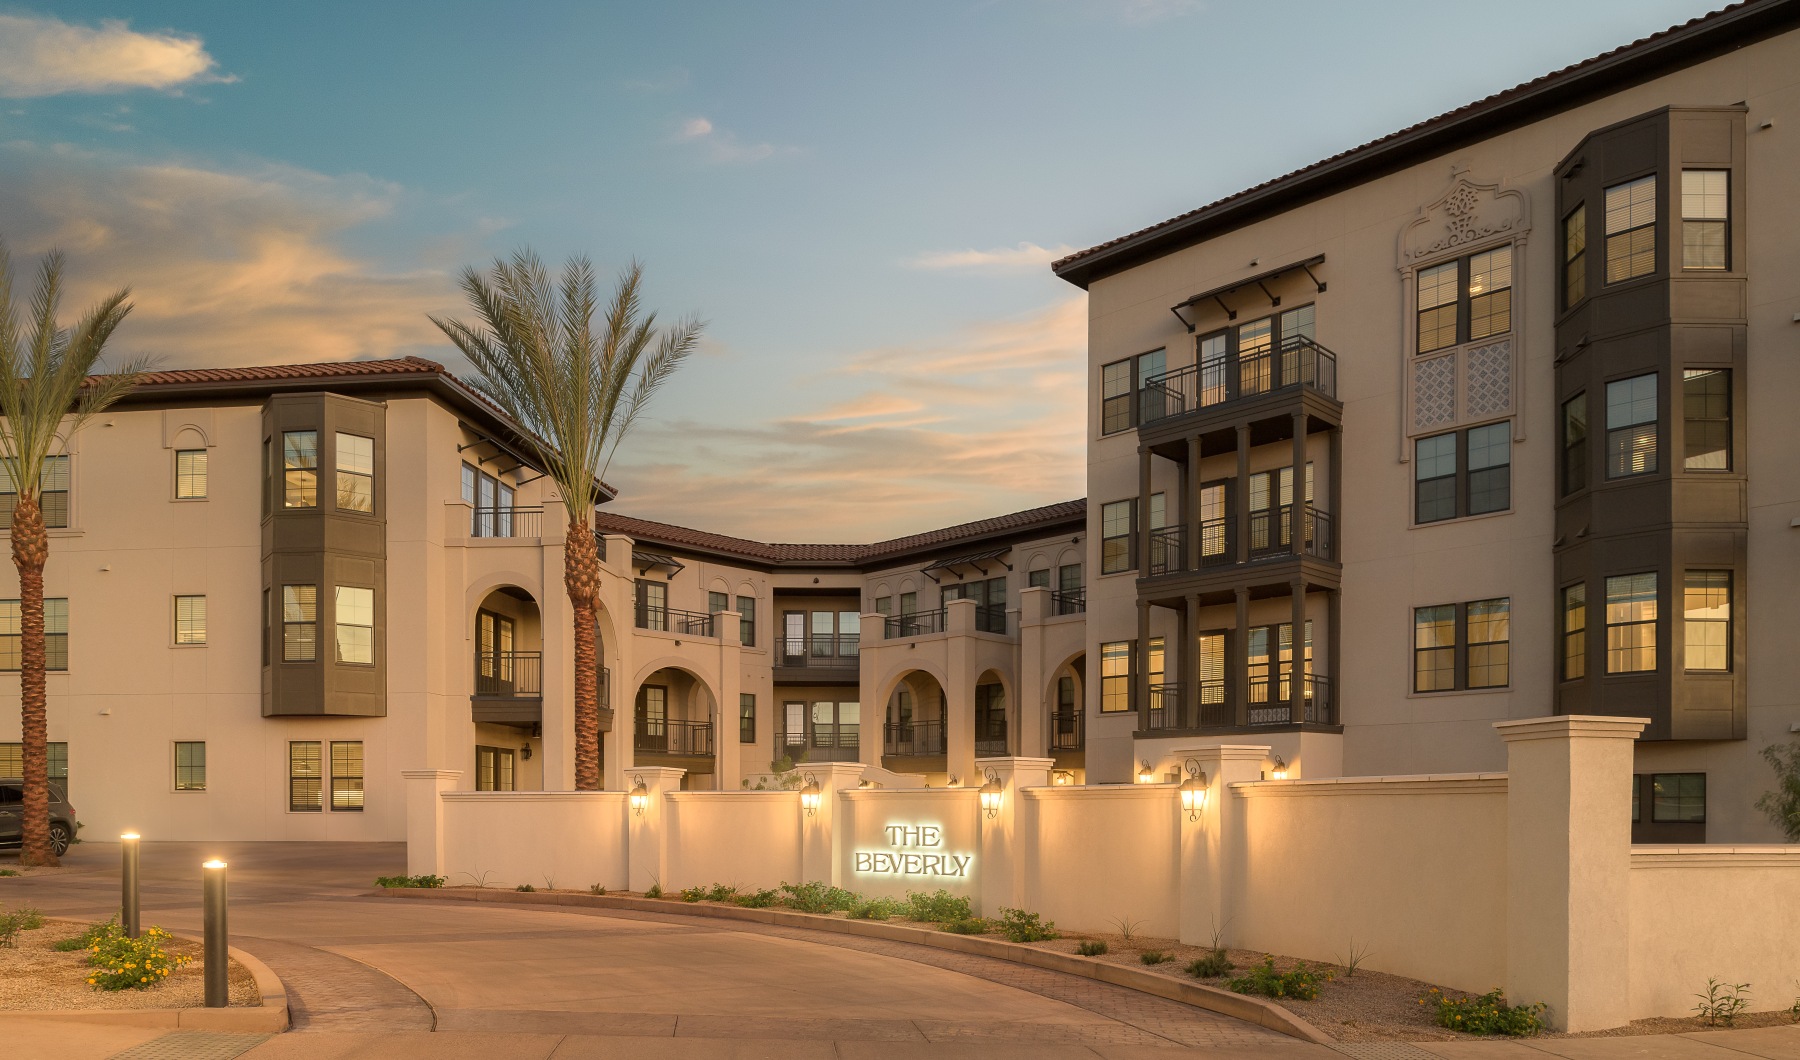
991 794
811 796
1062 778
1145 774
640 796
1278 768
1193 790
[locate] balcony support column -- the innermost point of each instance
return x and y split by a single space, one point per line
1140 666
1191 494
1297 668
1333 605
1296 520
1190 662
1241 495
1142 514
1239 650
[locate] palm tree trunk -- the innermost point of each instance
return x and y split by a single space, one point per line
581 577
31 549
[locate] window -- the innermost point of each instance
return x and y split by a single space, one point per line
355 625
909 603
190 766
884 605
491 501
56 634
1462 646
717 602
1574 444
1706 419
53 492
304 777
1705 209
1159 510
1631 623
1068 577
494 769
190 474
1157 657
267 611
1631 426
652 605
300 469
1119 383
1631 229
299 623
190 620
355 473
347 776
746 608
746 717
1118 521
1038 579
1678 798
1574 632
1445 489
56 755
1465 300
1706 619
1575 256
1115 677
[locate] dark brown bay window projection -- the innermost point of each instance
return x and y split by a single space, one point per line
1574 255
1631 623
1706 419
1706 620
1705 218
1631 229
1631 427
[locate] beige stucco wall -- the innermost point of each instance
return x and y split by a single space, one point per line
1730 913
747 839
1094 856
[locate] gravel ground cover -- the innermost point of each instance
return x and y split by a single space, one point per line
34 977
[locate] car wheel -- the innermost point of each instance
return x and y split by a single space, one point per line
60 837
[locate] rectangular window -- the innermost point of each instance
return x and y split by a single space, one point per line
1706 419
1159 510
746 717
1574 632
495 769
1445 487
53 492
1068 577
1574 444
652 606
190 620
1490 293
355 473
56 755
746 608
1705 213
909 603
884 605
1490 468
300 469
299 623
1465 300
305 779
190 766
1434 648
1437 306
268 610
1460 646
190 474
1115 396
1631 623
1706 619
347 776
1575 256
1487 630
1631 426
56 634
1631 229
1038 579
355 625
1434 478
1115 677
717 602
1118 525
1678 798
1157 656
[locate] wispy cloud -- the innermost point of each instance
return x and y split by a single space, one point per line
1024 257
724 147
45 56
988 419
671 80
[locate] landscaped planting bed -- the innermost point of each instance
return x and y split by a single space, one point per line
35 977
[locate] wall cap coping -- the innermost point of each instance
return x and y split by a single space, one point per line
1017 762
1571 726
859 794
662 773
533 796
1449 783
1102 791
765 795
431 774
1782 855
1224 752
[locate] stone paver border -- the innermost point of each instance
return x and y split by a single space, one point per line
1238 1006
269 1017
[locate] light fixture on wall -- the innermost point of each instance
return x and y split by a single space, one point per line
991 794
640 796
1062 778
1278 768
1193 790
811 795
525 752
1146 775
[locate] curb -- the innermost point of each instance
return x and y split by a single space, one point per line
1238 1006
269 1017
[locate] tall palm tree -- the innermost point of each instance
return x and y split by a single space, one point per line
47 394
578 392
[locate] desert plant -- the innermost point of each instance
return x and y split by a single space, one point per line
23 918
721 892
1794 1011
876 909
409 881
1486 1014
1210 966
971 925
1355 958
9 872
1155 957
1299 982
1020 926
526 887
481 880
1091 949
1783 804
757 899
596 889
1722 1003
1128 928
784 774
816 897
937 907
120 962
654 891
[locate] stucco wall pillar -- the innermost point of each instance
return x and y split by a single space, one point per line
646 832
823 835
959 694
874 715
425 818
1209 844
727 749
1568 867
1003 852
618 591
1033 673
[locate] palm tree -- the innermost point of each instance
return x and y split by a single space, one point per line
47 393
577 393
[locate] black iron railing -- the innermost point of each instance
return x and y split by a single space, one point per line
1168 550
990 618
914 624
673 620
1221 380
1066 730
506 522
821 651
1315 701
510 674
1068 602
1172 709
839 742
670 736
992 743
912 738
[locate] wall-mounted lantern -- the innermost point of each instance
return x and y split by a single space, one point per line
811 795
525 752
1145 774
1062 778
640 796
1278 768
1193 790
991 794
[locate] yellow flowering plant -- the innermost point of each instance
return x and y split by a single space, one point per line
122 963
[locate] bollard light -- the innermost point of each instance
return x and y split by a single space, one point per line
128 883
1193 790
811 795
1278 768
991 794
215 946
640 796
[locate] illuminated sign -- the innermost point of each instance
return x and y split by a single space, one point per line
915 853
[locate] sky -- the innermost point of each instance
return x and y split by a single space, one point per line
861 199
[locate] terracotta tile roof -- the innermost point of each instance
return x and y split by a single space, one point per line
1735 19
282 372
670 534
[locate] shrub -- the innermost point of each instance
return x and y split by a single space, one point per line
1722 1002
1783 804
123 963
692 894
876 909
1487 1014
596 889
1299 982
720 892
526 887
756 899
937 907
1154 957
655 891
1090 949
10 872
971 925
816 897
24 918
1019 926
1211 966
90 935
410 881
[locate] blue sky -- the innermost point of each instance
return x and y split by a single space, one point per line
861 198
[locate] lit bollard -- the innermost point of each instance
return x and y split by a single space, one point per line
215 946
128 883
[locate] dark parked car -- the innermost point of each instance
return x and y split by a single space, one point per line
62 816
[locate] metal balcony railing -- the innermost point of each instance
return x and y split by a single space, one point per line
821 651
506 522
991 741
670 736
673 620
1235 377
1316 704
914 624
1066 730
509 674
1171 709
833 743
1168 550
1068 602
990 618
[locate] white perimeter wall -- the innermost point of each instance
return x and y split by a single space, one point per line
1727 912
1092 856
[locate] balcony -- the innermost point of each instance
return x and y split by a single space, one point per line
841 742
1066 731
1237 377
834 654
1271 537
1068 602
912 739
506 522
913 624
990 618
509 689
673 737
673 620
1173 712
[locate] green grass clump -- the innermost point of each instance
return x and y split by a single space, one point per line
973 925
409 881
1090 949
1300 982
1211 966
1154 957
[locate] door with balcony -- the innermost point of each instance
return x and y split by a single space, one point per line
1271 665
496 662
1272 510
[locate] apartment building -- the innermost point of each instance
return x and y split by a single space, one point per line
1484 419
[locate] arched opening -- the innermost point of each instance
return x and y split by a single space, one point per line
1066 734
507 702
912 735
992 733
673 724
